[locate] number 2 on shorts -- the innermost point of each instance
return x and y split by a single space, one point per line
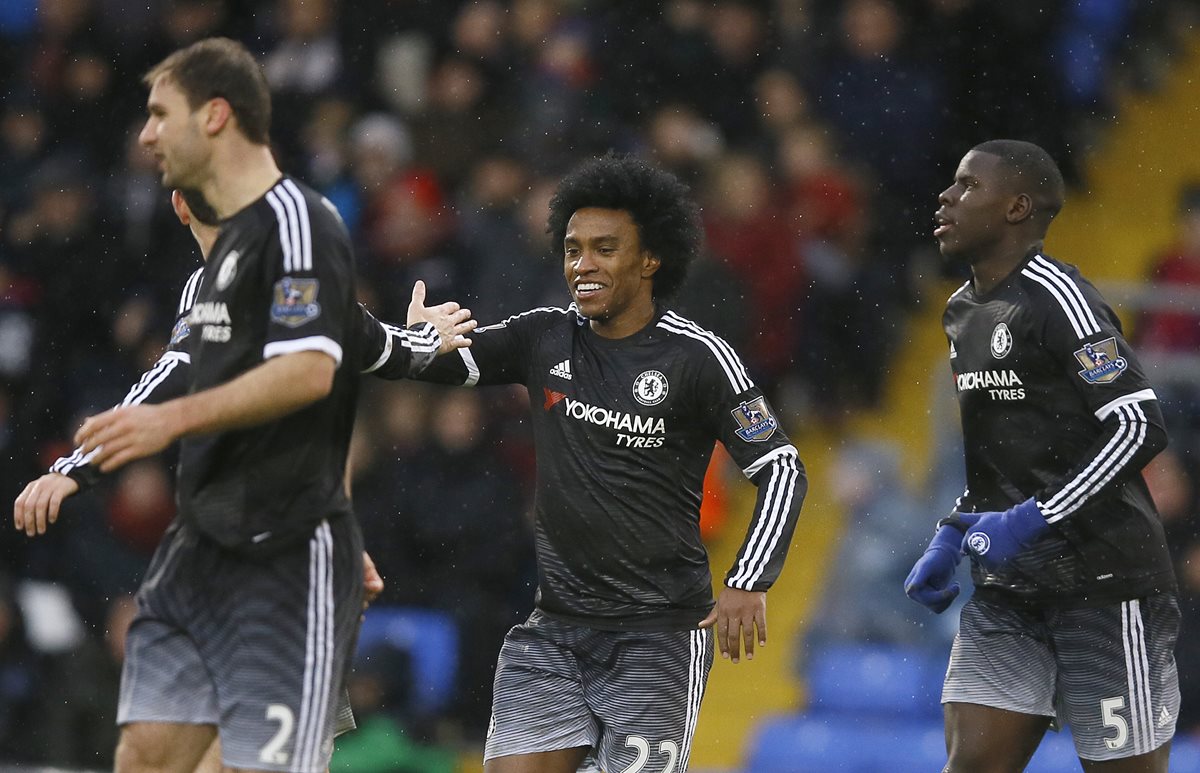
272 751
668 749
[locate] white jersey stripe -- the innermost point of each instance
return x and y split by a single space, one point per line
188 297
472 367
293 223
734 371
1135 397
285 240
762 542
1067 294
781 505
318 669
307 344
504 322
306 262
137 394
1072 290
768 457
1107 464
1066 307
1147 703
724 346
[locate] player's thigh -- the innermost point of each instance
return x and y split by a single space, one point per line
999 689
646 690
162 747
538 703
558 761
1118 684
277 639
982 739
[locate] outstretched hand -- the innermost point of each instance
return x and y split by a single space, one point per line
37 506
735 616
451 321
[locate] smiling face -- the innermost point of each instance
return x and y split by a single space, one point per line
975 211
174 133
609 273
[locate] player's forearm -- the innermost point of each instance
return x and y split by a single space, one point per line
782 485
165 380
1133 434
279 386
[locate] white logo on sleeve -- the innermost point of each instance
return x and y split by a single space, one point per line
1002 341
650 388
562 370
979 543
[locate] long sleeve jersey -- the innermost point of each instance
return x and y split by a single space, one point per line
624 430
1056 407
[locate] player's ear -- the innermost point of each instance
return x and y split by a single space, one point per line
217 113
181 208
650 264
1020 208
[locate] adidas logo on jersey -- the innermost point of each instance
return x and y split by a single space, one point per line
562 370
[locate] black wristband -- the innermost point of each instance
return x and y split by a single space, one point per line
952 520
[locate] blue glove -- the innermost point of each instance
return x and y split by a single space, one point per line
929 581
995 539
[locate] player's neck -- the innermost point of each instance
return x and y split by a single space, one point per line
989 271
242 172
625 324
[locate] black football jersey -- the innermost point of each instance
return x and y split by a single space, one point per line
624 430
279 280
1055 406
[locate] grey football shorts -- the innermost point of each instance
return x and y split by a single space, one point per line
258 647
631 696
1106 672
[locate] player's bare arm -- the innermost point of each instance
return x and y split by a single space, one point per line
38 505
275 388
452 321
735 617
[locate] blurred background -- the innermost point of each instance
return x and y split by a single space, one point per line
816 135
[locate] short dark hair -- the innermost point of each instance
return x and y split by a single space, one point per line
201 210
220 67
667 219
1032 166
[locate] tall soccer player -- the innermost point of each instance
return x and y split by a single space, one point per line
249 611
1074 617
627 399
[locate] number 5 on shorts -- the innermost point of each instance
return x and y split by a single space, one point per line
1108 710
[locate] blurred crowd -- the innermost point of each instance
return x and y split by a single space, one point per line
814 133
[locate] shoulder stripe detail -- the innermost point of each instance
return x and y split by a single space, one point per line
959 291
1111 460
285 237
188 297
728 359
767 458
306 257
293 224
1136 397
472 367
1066 292
307 344
781 489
